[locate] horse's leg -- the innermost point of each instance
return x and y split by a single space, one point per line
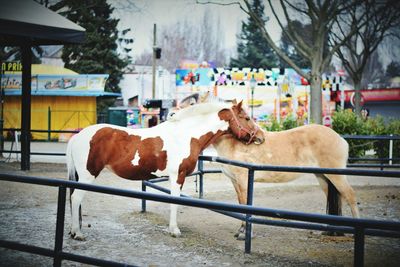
173 225
76 200
240 184
346 191
322 183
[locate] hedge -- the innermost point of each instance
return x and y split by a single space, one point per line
347 123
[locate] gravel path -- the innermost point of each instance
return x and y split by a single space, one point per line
116 230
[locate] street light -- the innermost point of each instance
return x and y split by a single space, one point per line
253 84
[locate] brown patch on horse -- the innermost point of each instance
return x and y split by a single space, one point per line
116 149
196 147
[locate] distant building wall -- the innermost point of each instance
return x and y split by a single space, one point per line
66 112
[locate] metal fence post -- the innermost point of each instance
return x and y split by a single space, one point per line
62 192
143 200
359 236
250 189
48 124
200 167
390 150
333 206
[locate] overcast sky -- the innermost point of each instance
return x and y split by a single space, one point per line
140 15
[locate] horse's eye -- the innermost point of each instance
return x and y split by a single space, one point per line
247 118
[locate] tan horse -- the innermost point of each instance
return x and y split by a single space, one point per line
308 146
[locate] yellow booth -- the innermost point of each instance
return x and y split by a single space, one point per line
61 100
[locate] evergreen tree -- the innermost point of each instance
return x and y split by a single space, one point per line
99 52
252 50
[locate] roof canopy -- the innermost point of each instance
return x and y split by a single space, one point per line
25 21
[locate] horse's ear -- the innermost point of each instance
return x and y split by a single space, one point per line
240 105
234 102
225 114
204 98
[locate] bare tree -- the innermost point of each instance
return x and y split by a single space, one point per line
321 14
373 71
378 19
188 40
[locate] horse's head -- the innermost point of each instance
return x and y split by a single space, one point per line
241 125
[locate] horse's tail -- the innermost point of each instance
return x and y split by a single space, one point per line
346 152
72 174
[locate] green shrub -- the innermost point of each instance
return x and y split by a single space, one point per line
289 122
347 123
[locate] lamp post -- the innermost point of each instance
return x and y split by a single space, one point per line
253 84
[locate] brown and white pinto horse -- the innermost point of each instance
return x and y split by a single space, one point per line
309 146
170 148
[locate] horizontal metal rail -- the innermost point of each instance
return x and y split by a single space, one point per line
42 131
255 167
201 203
360 226
371 137
380 165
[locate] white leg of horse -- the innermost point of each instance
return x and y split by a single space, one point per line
173 225
346 191
76 200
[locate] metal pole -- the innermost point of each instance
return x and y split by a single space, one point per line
359 247
250 187
390 150
62 192
333 205
26 107
153 92
342 96
1 109
200 167
278 104
143 200
252 102
48 124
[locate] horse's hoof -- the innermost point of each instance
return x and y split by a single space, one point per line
175 232
77 236
240 236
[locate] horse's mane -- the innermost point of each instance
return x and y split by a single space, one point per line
196 110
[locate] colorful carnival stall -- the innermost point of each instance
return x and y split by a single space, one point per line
61 99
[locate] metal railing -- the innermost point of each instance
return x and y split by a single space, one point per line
358 227
383 163
386 162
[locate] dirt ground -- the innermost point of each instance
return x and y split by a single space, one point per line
116 230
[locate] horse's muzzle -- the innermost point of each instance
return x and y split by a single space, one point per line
258 140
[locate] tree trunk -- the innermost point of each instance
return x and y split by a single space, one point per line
357 97
316 99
